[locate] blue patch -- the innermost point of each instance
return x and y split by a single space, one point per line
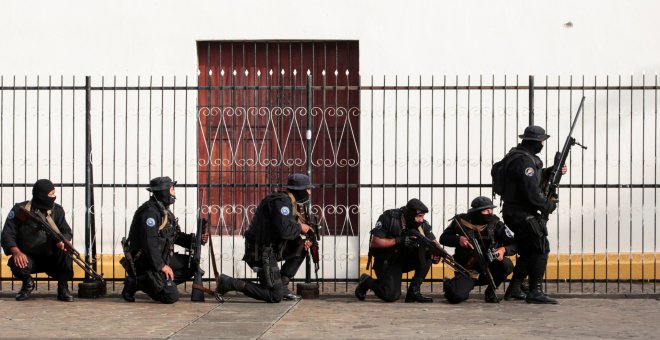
11 215
285 211
529 172
151 222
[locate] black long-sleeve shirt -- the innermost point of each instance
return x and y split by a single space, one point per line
10 232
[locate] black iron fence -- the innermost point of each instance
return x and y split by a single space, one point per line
229 139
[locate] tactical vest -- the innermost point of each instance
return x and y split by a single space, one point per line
32 239
259 233
167 229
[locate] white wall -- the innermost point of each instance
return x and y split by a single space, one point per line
132 38
413 37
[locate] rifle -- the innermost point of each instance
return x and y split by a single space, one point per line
439 251
483 263
560 157
314 237
195 252
25 215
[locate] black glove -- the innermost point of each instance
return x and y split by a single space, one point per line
405 241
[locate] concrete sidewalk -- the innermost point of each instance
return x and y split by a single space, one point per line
331 317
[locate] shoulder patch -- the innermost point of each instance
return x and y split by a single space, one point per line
508 232
151 222
529 171
11 215
285 211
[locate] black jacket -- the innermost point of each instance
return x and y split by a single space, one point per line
389 225
274 221
152 240
523 194
11 233
494 235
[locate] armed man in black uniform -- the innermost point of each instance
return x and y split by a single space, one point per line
493 236
31 249
273 236
525 211
154 232
395 253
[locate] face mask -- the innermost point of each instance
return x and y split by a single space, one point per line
165 197
533 146
409 216
480 219
40 191
302 196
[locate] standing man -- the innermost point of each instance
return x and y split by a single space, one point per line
31 250
273 236
525 211
494 237
395 253
154 232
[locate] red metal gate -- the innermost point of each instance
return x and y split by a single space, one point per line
253 120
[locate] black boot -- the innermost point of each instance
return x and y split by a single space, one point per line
130 287
536 294
514 290
287 294
490 296
228 283
26 289
364 283
63 293
415 295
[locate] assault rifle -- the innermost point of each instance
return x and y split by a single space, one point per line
194 253
481 257
436 250
25 215
560 157
314 238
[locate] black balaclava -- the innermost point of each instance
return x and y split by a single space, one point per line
533 146
476 217
164 196
302 196
411 210
40 192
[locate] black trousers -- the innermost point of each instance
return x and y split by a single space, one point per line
388 285
499 269
261 291
533 246
458 289
168 293
59 266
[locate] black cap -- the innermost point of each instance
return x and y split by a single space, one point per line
534 132
416 206
481 203
298 182
160 183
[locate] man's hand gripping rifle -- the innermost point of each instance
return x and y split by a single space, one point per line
25 215
313 238
436 250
